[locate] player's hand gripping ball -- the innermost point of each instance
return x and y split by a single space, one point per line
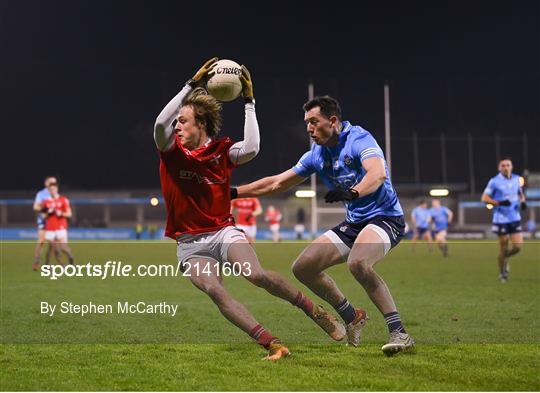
224 82
203 73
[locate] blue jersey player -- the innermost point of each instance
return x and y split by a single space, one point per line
421 219
352 165
505 194
38 206
441 217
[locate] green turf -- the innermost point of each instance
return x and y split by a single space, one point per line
472 332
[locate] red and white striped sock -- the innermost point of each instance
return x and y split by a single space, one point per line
262 336
304 303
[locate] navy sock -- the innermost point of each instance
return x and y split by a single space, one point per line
346 311
393 320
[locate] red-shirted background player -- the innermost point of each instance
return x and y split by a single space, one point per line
195 172
273 217
58 211
247 210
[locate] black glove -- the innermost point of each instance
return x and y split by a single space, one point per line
523 205
234 193
44 209
506 202
340 195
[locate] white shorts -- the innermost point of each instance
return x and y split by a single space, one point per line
299 228
274 227
211 245
59 234
249 230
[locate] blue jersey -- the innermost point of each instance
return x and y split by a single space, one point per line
501 188
40 197
421 216
340 167
440 216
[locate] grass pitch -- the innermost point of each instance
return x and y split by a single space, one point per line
472 332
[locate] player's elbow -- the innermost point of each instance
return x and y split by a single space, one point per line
380 177
251 152
484 198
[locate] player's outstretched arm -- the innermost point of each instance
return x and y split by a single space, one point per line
163 128
488 199
271 184
244 151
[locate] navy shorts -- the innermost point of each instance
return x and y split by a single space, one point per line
437 230
506 229
421 231
394 226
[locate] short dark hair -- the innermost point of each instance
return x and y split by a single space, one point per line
329 106
505 158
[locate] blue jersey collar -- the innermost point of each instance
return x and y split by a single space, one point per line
346 128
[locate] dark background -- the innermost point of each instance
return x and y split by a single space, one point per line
82 82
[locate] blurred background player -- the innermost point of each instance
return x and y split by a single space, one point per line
421 219
531 227
247 210
352 166
195 174
504 192
300 226
273 217
56 224
41 215
441 217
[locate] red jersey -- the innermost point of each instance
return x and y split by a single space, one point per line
245 208
53 222
273 217
195 186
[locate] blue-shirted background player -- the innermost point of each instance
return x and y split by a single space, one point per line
352 165
40 197
505 194
421 220
441 217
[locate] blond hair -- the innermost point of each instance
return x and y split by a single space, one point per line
206 109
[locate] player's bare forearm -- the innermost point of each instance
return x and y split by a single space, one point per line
370 183
264 186
270 185
487 199
375 176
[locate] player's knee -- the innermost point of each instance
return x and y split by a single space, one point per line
300 269
360 267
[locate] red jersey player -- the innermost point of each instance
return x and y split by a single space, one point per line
248 209
195 172
273 217
58 210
